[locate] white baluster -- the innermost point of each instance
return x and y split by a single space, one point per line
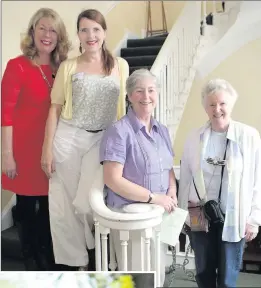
165 108
169 94
178 247
186 243
182 58
157 109
175 79
104 232
147 236
161 99
124 238
204 16
97 245
157 255
191 252
113 263
186 52
178 68
191 47
142 253
171 83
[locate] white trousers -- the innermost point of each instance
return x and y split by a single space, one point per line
76 156
115 236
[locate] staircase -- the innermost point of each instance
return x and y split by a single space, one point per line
141 53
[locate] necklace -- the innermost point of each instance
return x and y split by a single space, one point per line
44 77
216 160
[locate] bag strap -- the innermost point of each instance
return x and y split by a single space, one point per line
222 173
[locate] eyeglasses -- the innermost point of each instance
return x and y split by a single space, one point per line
44 30
216 161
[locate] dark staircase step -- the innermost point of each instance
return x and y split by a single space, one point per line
133 68
11 247
140 51
10 264
145 42
140 60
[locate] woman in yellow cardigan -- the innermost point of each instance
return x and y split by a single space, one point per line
88 96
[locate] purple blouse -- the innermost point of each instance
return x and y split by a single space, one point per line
147 158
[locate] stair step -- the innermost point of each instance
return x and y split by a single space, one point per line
140 60
11 246
10 264
133 68
145 42
140 51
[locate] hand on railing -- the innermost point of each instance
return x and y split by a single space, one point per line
165 201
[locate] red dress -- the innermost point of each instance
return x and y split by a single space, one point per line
25 106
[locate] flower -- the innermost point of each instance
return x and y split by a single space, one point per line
124 281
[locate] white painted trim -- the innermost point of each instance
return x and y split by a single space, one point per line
6 215
114 4
143 33
123 42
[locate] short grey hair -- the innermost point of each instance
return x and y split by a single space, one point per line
136 76
217 85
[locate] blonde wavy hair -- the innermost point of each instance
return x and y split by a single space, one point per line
63 46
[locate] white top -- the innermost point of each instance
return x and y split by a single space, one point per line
212 173
243 203
94 101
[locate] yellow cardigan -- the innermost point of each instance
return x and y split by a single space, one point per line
62 88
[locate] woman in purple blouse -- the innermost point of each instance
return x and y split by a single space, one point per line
137 154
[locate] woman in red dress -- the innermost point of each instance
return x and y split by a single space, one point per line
26 86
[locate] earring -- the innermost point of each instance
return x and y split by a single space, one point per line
80 48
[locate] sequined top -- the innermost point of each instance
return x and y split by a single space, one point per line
94 99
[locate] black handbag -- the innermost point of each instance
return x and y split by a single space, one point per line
211 208
213 212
